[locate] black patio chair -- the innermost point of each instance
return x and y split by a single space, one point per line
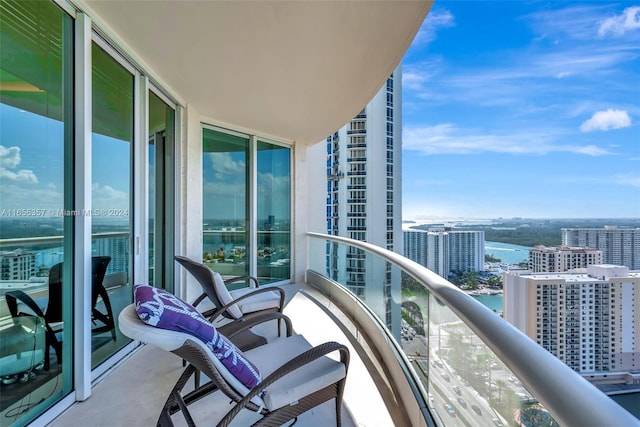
52 314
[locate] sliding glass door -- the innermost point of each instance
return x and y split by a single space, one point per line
111 177
36 152
43 208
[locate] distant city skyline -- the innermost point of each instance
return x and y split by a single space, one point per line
523 109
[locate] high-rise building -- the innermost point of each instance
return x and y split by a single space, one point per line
415 245
543 259
619 246
444 251
586 320
429 248
364 197
466 250
19 264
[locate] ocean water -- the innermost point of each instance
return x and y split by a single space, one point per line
507 253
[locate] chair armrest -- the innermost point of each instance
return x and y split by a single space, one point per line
252 279
12 298
214 314
288 367
248 322
199 299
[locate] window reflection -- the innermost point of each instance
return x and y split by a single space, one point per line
274 212
35 135
112 139
226 206
225 202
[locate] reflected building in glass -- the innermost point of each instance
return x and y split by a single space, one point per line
17 265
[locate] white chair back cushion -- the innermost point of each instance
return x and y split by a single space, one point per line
225 296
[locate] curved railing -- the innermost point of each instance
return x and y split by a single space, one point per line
475 359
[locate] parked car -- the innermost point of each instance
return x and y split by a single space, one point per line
450 409
457 390
462 402
476 409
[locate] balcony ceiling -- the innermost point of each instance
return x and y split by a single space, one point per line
297 70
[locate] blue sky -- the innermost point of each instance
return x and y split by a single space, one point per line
529 109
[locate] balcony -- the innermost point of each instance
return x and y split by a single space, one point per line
441 350
411 363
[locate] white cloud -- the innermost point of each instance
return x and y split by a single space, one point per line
627 179
563 74
10 159
435 21
447 139
617 25
23 175
220 190
592 150
606 120
223 165
413 80
418 78
16 196
579 22
107 197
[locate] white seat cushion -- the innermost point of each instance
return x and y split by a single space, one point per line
261 301
312 377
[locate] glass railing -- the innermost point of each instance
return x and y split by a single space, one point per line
470 365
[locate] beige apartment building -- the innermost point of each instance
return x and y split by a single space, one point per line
543 259
587 320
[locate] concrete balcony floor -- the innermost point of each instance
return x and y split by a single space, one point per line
133 393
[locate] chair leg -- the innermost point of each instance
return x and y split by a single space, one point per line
50 340
339 397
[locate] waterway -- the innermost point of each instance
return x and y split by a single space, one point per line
630 402
507 253
493 302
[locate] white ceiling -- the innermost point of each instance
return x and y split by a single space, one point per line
297 70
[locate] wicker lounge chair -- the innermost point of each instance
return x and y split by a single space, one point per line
234 305
293 376
237 303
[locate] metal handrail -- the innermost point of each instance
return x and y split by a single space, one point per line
571 399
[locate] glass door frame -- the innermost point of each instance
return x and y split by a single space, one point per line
170 195
101 40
